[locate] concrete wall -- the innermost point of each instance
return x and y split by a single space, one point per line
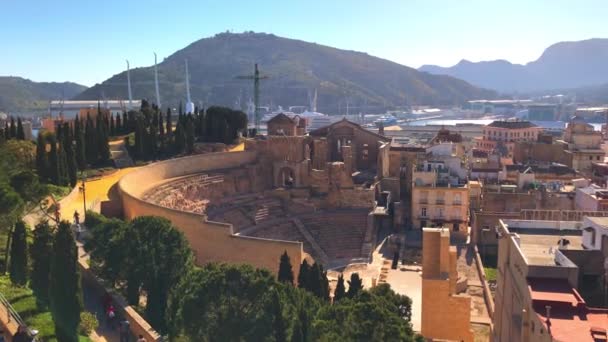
210 241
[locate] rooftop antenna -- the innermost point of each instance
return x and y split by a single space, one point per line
129 86
189 104
156 82
256 92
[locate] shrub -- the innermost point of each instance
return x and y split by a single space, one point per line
88 323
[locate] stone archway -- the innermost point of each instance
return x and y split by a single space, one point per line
286 177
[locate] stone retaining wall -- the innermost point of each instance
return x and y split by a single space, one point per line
210 241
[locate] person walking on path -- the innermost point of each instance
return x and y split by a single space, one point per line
76 217
125 331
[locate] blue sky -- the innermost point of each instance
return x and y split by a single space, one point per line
87 41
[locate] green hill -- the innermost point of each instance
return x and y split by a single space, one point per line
295 68
21 95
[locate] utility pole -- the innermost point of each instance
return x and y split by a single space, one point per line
256 92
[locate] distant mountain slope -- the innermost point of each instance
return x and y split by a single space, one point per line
20 95
562 65
295 68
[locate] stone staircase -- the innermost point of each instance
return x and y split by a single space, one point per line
318 253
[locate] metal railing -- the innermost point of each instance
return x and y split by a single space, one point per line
13 316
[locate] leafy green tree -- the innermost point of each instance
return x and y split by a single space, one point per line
399 304
20 131
366 318
41 253
41 157
234 301
28 186
285 270
303 275
11 207
64 291
355 285
279 324
340 291
18 258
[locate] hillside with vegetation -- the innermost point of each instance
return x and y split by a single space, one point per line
21 95
294 68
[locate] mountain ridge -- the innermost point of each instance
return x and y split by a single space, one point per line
570 64
295 68
18 94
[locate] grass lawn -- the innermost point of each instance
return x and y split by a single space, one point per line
490 273
24 302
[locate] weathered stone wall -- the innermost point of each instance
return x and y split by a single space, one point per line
210 241
356 198
525 151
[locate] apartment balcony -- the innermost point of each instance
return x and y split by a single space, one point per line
440 202
457 203
423 201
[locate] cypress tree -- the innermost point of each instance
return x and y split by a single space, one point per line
340 291
324 284
285 270
13 128
161 133
91 150
279 324
20 131
180 111
152 142
303 275
64 291
189 135
7 131
41 157
180 138
169 129
72 167
125 123
81 158
355 285
1 136
54 173
41 254
18 258
112 127
118 125
315 286
139 138
102 139
63 166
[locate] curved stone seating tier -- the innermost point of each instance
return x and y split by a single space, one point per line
188 193
340 233
279 229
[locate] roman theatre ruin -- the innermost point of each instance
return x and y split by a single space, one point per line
315 196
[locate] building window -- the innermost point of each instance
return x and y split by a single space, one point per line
456 227
440 212
598 157
423 212
590 157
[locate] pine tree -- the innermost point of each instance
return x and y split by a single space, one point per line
41 253
355 285
64 290
285 270
13 129
18 258
340 291
41 158
303 275
279 324
20 131
54 172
